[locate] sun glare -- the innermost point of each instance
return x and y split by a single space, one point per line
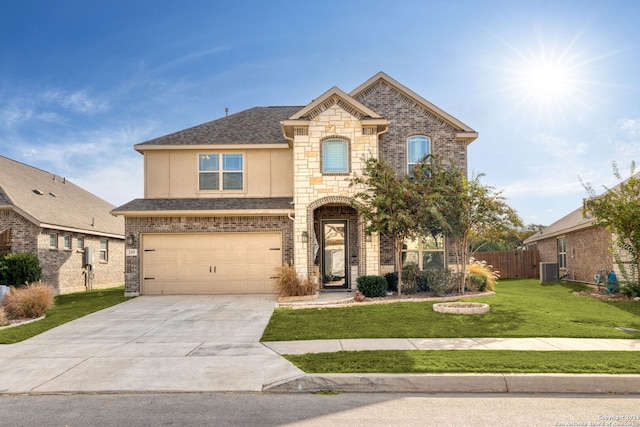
548 78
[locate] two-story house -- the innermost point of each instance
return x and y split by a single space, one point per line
229 200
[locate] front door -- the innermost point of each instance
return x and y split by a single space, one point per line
335 266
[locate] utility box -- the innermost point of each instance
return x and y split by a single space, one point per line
87 257
549 272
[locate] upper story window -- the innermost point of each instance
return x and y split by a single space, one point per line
221 171
417 148
335 156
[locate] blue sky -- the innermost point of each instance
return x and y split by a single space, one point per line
551 86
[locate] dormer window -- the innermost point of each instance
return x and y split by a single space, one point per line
417 148
335 156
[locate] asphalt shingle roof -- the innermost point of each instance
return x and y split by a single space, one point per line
51 200
206 204
258 125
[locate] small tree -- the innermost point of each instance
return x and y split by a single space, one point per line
397 205
474 211
618 210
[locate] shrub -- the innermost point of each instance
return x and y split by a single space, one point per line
372 286
410 274
289 283
392 281
631 289
30 302
4 320
20 269
440 282
482 268
476 282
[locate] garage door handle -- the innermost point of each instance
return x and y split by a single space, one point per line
274 249
214 269
149 278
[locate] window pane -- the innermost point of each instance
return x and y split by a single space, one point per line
209 162
209 181
334 156
67 242
431 243
232 181
411 244
433 260
53 240
103 245
80 244
418 148
409 258
232 162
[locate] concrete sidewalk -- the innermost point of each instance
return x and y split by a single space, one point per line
533 344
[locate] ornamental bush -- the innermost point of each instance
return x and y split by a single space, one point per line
20 269
28 302
372 286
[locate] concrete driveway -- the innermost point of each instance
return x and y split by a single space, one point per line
152 343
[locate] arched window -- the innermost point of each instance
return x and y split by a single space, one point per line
417 148
335 156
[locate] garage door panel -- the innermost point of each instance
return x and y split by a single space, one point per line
210 263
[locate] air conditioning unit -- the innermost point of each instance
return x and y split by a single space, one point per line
549 272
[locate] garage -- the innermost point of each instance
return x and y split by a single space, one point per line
215 263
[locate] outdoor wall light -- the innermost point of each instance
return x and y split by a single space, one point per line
305 237
130 240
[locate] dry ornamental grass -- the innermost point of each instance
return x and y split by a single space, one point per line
29 302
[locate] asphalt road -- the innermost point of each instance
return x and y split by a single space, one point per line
357 409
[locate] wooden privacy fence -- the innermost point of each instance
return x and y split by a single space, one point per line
514 264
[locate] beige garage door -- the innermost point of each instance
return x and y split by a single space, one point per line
221 263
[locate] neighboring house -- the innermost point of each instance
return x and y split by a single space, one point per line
79 244
579 248
227 201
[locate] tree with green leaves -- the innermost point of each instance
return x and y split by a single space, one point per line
618 210
472 211
396 205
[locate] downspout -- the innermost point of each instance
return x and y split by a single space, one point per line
378 138
289 139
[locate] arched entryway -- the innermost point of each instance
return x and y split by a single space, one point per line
336 252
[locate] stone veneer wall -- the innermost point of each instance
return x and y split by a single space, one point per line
141 225
588 250
311 185
63 268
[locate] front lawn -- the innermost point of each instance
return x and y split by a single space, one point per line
520 308
67 308
469 361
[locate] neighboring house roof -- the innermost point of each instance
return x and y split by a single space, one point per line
247 206
50 201
258 125
572 222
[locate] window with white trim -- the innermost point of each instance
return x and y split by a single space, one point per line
426 252
66 242
53 240
104 250
562 253
221 171
417 148
80 243
335 156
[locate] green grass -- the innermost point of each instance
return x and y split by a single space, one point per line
67 308
520 308
470 361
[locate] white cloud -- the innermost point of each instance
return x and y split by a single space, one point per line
559 147
14 114
78 101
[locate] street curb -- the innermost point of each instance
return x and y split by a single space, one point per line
460 383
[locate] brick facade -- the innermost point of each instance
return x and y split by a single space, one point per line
63 268
137 226
588 250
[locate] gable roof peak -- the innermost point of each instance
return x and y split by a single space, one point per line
331 97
